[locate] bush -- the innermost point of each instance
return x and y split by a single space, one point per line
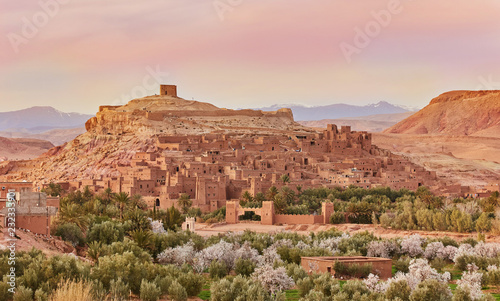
41 295
355 287
191 282
438 264
218 269
431 290
177 292
71 233
23 294
296 272
73 291
337 218
163 283
244 267
106 232
403 264
119 291
352 270
398 289
149 291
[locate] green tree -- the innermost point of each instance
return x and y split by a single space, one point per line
122 199
184 202
70 213
271 193
53 189
285 179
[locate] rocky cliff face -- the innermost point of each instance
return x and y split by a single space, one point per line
472 113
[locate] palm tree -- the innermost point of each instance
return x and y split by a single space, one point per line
285 178
122 199
184 202
108 195
288 194
247 196
143 238
72 213
271 193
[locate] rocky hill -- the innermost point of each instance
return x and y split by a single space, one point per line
372 123
20 148
118 132
471 113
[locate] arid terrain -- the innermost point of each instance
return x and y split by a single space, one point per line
458 159
468 113
372 123
22 148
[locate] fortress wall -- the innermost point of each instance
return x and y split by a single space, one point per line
159 116
293 219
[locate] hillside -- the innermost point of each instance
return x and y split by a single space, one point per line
340 111
469 113
372 123
21 148
55 136
118 132
40 119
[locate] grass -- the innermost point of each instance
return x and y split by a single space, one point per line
204 295
292 294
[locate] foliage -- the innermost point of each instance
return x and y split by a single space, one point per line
149 291
71 233
352 270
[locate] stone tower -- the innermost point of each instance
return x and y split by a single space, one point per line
170 90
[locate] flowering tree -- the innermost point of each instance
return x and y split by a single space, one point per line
412 245
178 255
471 282
274 280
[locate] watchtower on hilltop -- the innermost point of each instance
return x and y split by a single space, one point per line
170 90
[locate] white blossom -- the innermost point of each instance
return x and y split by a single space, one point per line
178 255
471 281
433 249
274 280
412 245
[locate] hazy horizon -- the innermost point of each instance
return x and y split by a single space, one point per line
75 55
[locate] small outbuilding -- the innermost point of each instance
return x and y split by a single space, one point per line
325 264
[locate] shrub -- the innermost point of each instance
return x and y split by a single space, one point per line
74 291
337 218
106 232
431 290
244 267
355 287
352 270
149 291
119 291
218 269
483 223
296 272
193 283
398 289
163 283
41 295
23 294
71 233
177 292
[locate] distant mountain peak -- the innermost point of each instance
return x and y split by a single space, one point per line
45 117
339 110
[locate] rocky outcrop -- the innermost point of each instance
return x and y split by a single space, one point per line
472 113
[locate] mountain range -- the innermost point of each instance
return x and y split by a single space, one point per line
340 111
40 119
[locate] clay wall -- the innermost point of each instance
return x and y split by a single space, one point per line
380 266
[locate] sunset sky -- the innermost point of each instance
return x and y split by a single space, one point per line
245 53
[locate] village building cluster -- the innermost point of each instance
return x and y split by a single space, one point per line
215 168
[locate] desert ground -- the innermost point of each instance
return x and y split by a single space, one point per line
466 160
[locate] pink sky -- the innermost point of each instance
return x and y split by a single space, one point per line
263 52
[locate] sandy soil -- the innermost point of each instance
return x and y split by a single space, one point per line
215 229
458 159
